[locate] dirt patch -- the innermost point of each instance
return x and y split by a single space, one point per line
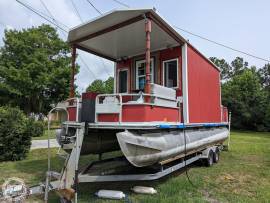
237 183
208 197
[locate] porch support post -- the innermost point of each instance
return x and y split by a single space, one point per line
147 88
72 76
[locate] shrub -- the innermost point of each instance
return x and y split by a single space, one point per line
15 141
35 128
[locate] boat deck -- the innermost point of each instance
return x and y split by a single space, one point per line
144 125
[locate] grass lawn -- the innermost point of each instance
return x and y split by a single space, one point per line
45 135
242 175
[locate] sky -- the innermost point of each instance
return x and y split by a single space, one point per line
241 24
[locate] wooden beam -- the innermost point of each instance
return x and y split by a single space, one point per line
108 29
94 52
72 75
147 88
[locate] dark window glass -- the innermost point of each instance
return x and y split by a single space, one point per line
170 74
123 81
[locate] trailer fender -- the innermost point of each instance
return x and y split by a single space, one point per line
205 153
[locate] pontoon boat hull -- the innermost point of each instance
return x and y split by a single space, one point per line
150 148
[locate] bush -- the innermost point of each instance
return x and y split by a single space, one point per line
35 128
15 141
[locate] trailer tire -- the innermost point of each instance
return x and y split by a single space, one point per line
216 156
210 159
64 200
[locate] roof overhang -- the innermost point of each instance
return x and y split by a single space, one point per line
121 34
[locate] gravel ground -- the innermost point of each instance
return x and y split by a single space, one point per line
39 144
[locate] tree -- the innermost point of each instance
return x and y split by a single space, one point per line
264 73
225 68
246 99
109 84
15 134
103 87
34 69
238 66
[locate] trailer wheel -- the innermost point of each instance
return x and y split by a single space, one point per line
210 159
216 156
64 200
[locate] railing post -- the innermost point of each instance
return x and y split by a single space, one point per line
121 106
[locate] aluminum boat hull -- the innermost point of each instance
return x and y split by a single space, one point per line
145 149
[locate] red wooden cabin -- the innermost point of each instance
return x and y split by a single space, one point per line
159 76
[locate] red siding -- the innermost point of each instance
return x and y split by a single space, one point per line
168 54
126 64
225 116
143 113
203 89
72 113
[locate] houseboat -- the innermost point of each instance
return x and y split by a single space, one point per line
166 103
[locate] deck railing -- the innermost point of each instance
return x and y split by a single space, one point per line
115 105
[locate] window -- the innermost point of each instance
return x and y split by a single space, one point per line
170 73
123 81
141 73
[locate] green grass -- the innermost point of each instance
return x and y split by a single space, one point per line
45 135
242 175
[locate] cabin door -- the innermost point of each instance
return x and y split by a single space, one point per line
123 81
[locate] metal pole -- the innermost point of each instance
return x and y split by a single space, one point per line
49 161
147 87
229 138
76 166
48 174
73 64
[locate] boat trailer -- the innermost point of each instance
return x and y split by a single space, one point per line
116 169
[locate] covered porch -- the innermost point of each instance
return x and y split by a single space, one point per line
147 53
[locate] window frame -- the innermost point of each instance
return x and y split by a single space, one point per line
120 70
136 72
177 72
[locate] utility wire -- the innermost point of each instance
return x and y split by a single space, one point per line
76 10
209 40
54 22
99 58
39 14
94 7
121 3
51 15
223 45
65 35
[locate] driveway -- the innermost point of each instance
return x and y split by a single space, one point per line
40 144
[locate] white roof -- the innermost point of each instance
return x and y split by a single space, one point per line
126 41
115 35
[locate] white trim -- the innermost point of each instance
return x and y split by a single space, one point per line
185 83
136 73
119 70
115 79
177 72
220 100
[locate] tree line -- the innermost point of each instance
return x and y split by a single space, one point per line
246 93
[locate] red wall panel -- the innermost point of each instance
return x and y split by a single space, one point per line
203 89
143 113
72 111
125 64
168 54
